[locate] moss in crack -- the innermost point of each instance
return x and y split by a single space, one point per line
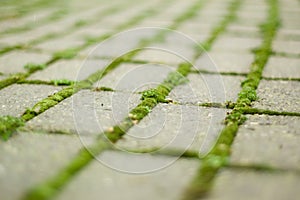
32 67
65 54
218 156
12 79
8 125
253 111
113 134
47 103
80 23
62 82
102 88
10 48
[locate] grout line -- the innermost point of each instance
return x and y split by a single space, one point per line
262 168
218 157
253 111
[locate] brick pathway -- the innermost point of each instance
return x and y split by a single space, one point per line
98 104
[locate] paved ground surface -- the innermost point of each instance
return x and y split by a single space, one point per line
96 104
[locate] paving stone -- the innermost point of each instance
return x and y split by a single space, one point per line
135 77
56 27
286 46
254 184
15 99
288 35
15 61
268 140
125 14
60 44
34 17
203 88
119 44
282 67
85 113
236 44
94 30
164 55
196 28
75 70
243 31
278 95
29 158
176 126
99 180
222 61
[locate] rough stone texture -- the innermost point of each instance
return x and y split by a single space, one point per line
268 140
27 159
286 46
108 183
236 44
15 99
282 67
203 88
76 70
57 27
278 95
60 44
246 184
135 77
120 43
85 113
175 126
217 61
14 62
160 56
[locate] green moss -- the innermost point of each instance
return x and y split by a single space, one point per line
62 82
65 54
12 79
218 156
32 67
107 89
213 105
47 103
80 23
253 111
8 125
7 49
